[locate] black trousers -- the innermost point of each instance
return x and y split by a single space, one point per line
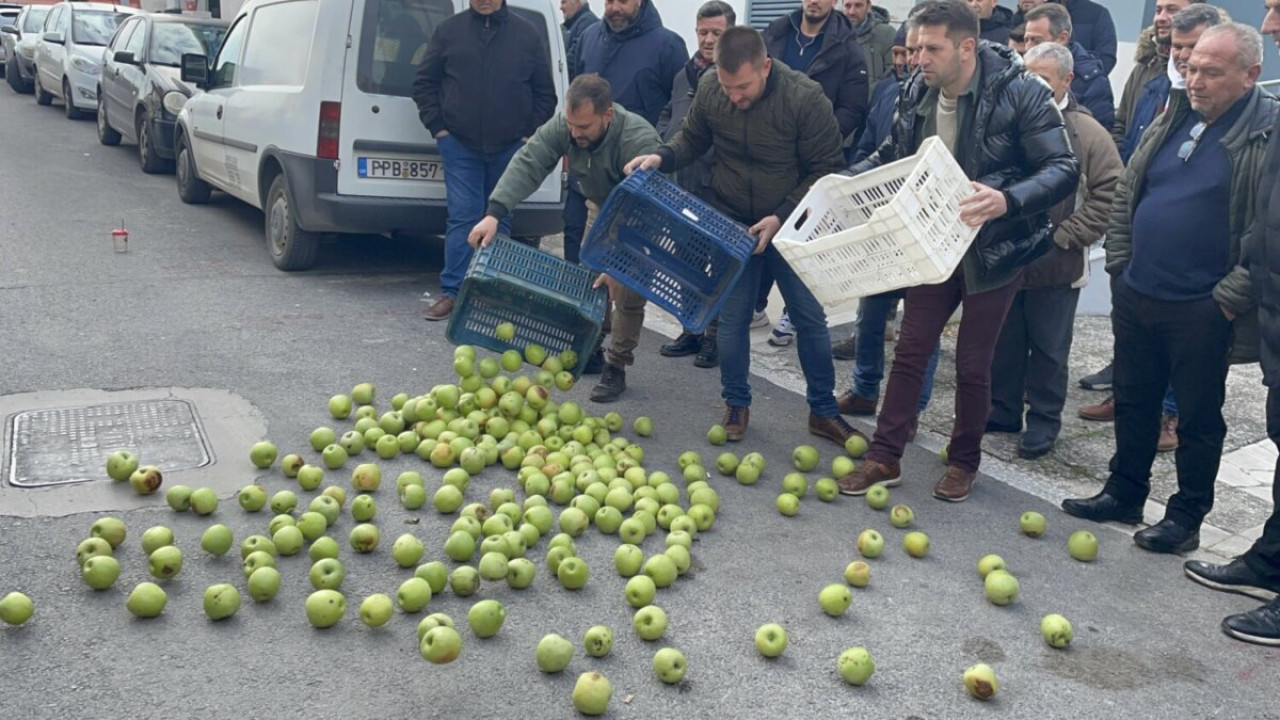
1264 557
575 221
1157 344
1031 360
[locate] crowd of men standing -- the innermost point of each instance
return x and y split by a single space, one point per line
1177 178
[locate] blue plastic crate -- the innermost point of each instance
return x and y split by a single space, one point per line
671 247
549 301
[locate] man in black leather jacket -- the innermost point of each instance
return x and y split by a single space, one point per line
1005 130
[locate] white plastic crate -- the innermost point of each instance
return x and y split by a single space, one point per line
894 227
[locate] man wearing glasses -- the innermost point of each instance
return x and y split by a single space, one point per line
1180 302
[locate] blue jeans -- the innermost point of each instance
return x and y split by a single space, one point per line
813 341
1170 405
868 366
575 221
469 178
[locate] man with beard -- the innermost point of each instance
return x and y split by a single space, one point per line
996 21
874 34
1051 23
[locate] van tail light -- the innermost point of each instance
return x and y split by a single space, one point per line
327 139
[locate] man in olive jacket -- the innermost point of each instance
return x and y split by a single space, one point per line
1181 304
1006 133
598 136
1030 367
774 135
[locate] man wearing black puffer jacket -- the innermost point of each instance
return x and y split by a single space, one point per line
1005 130
482 89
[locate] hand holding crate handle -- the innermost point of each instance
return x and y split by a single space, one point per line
643 162
484 232
983 205
764 231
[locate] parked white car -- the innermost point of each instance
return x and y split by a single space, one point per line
68 56
20 46
307 114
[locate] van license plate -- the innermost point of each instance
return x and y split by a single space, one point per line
368 167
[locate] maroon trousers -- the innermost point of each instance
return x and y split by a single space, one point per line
927 309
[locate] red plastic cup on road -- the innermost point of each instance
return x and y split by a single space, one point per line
120 238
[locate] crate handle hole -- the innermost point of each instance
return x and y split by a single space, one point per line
689 214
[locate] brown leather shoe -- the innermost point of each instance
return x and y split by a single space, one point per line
851 404
834 429
1104 411
955 485
440 309
867 474
735 422
1168 434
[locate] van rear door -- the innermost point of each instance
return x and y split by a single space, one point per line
384 149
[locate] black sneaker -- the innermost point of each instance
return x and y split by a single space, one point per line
846 349
613 382
595 363
708 353
1100 380
1260 627
1235 577
687 344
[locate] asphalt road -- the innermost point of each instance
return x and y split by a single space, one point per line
196 303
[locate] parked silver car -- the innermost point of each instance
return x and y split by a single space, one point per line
19 45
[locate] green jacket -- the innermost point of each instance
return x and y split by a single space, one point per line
1246 147
767 156
597 169
1150 60
875 36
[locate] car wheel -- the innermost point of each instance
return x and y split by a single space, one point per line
191 188
42 97
13 75
151 162
68 106
291 247
106 134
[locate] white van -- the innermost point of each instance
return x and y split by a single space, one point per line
308 115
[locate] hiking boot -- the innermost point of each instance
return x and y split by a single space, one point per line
1104 411
846 349
595 363
613 382
851 404
834 429
784 334
868 474
955 485
1168 434
687 344
735 422
1100 380
708 353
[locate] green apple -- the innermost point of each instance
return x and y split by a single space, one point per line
436 575
1001 587
835 599
413 497
204 501
257 543
460 546
221 601
679 537
364 538
334 456
643 426
988 564
327 507
662 569
257 560
573 521
262 455
309 476
870 544
608 520
1083 546
156 537
856 446
325 608
165 562
842 465
312 525
442 644
278 522
805 458
146 479
679 554
788 504
338 494
771 640
796 484
407 550
291 465
916 544
628 559
650 622
826 489
640 591
100 572
520 573
413 594
1032 524
598 641
464 581
747 473
362 394
553 653
340 407
288 540
284 502
92 547
857 574
264 583
434 620
322 437
179 498
110 529
591 694
447 499
327 574
727 463
147 600
901 516
980 680
1056 630
493 566
878 497
573 573
486 618
121 464
323 548
856 666
367 477
669 665
632 530
252 498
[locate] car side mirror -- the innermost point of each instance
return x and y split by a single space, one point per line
11 30
124 57
53 37
195 69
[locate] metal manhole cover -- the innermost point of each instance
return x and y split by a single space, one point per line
70 445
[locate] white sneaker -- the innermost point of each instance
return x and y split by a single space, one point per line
782 335
759 320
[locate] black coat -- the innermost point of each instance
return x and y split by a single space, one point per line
573 29
485 79
1093 28
640 62
1262 260
1021 149
996 28
696 178
840 66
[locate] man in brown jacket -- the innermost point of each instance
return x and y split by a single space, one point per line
1031 354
